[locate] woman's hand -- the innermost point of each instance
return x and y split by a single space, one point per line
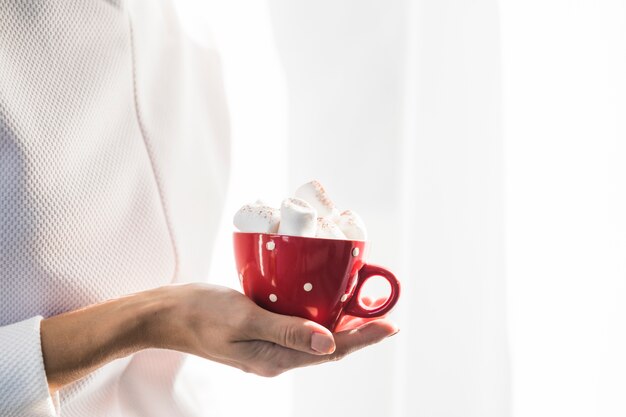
353 322
214 322
225 326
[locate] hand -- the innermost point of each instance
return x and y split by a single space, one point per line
206 320
353 322
225 326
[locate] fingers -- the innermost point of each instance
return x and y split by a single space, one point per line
347 342
351 322
370 333
348 322
373 303
270 359
291 332
367 301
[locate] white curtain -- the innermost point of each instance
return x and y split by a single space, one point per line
565 162
483 143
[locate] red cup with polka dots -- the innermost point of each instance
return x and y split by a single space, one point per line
314 278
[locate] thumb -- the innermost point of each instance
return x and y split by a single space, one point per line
293 333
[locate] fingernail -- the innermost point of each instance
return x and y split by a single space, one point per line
395 333
322 343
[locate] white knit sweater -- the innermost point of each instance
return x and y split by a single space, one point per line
113 163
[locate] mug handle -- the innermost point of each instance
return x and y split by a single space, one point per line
355 308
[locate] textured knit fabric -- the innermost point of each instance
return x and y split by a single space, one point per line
24 392
113 167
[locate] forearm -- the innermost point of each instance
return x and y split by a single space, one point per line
78 342
210 321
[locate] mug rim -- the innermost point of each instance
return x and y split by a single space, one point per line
237 232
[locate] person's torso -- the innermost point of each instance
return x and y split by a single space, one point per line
113 156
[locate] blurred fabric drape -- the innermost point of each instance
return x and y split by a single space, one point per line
483 144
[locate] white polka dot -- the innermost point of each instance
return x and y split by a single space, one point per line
273 298
270 245
355 252
344 298
308 287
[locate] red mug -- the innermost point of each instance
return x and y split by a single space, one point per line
314 278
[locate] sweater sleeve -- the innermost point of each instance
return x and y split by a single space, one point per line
23 384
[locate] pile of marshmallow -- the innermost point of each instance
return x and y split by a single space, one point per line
309 214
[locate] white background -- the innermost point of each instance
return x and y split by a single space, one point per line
484 144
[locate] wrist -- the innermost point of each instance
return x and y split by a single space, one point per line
78 342
153 316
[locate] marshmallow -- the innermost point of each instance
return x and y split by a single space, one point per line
297 218
352 226
327 229
314 194
253 218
